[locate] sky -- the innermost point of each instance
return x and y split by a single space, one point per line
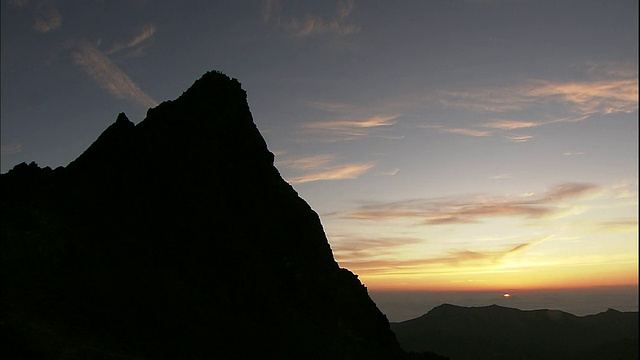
446 145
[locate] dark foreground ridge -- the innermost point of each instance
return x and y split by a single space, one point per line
176 239
495 332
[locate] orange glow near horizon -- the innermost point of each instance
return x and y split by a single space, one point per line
505 276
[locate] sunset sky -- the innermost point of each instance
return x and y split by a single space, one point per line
478 144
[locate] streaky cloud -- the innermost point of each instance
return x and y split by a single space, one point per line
474 209
392 172
108 75
611 90
618 226
350 246
510 124
388 264
348 171
322 167
308 162
348 129
467 132
568 191
518 138
144 34
588 97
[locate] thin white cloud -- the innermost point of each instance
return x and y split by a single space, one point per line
109 76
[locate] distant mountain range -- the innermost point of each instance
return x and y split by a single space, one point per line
496 332
176 238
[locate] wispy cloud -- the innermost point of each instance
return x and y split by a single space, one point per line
340 130
518 138
145 33
618 226
589 97
311 24
573 153
351 246
10 149
108 75
48 17
312 162
392 172
500 177
363 263
473 210
466 132
348 171
323 167
271 11
509 124
611 89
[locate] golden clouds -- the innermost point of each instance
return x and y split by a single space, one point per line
323 167
589 97
612 90
372 264
608 89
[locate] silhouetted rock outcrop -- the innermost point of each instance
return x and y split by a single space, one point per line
176 238
495 332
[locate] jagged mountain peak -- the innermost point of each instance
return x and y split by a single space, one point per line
178 238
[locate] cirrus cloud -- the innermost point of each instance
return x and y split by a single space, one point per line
475 209
322 167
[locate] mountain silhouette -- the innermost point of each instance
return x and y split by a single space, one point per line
495 332
177 238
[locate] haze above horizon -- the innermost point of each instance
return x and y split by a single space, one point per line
446 145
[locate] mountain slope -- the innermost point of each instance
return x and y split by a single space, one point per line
176 238
495 332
